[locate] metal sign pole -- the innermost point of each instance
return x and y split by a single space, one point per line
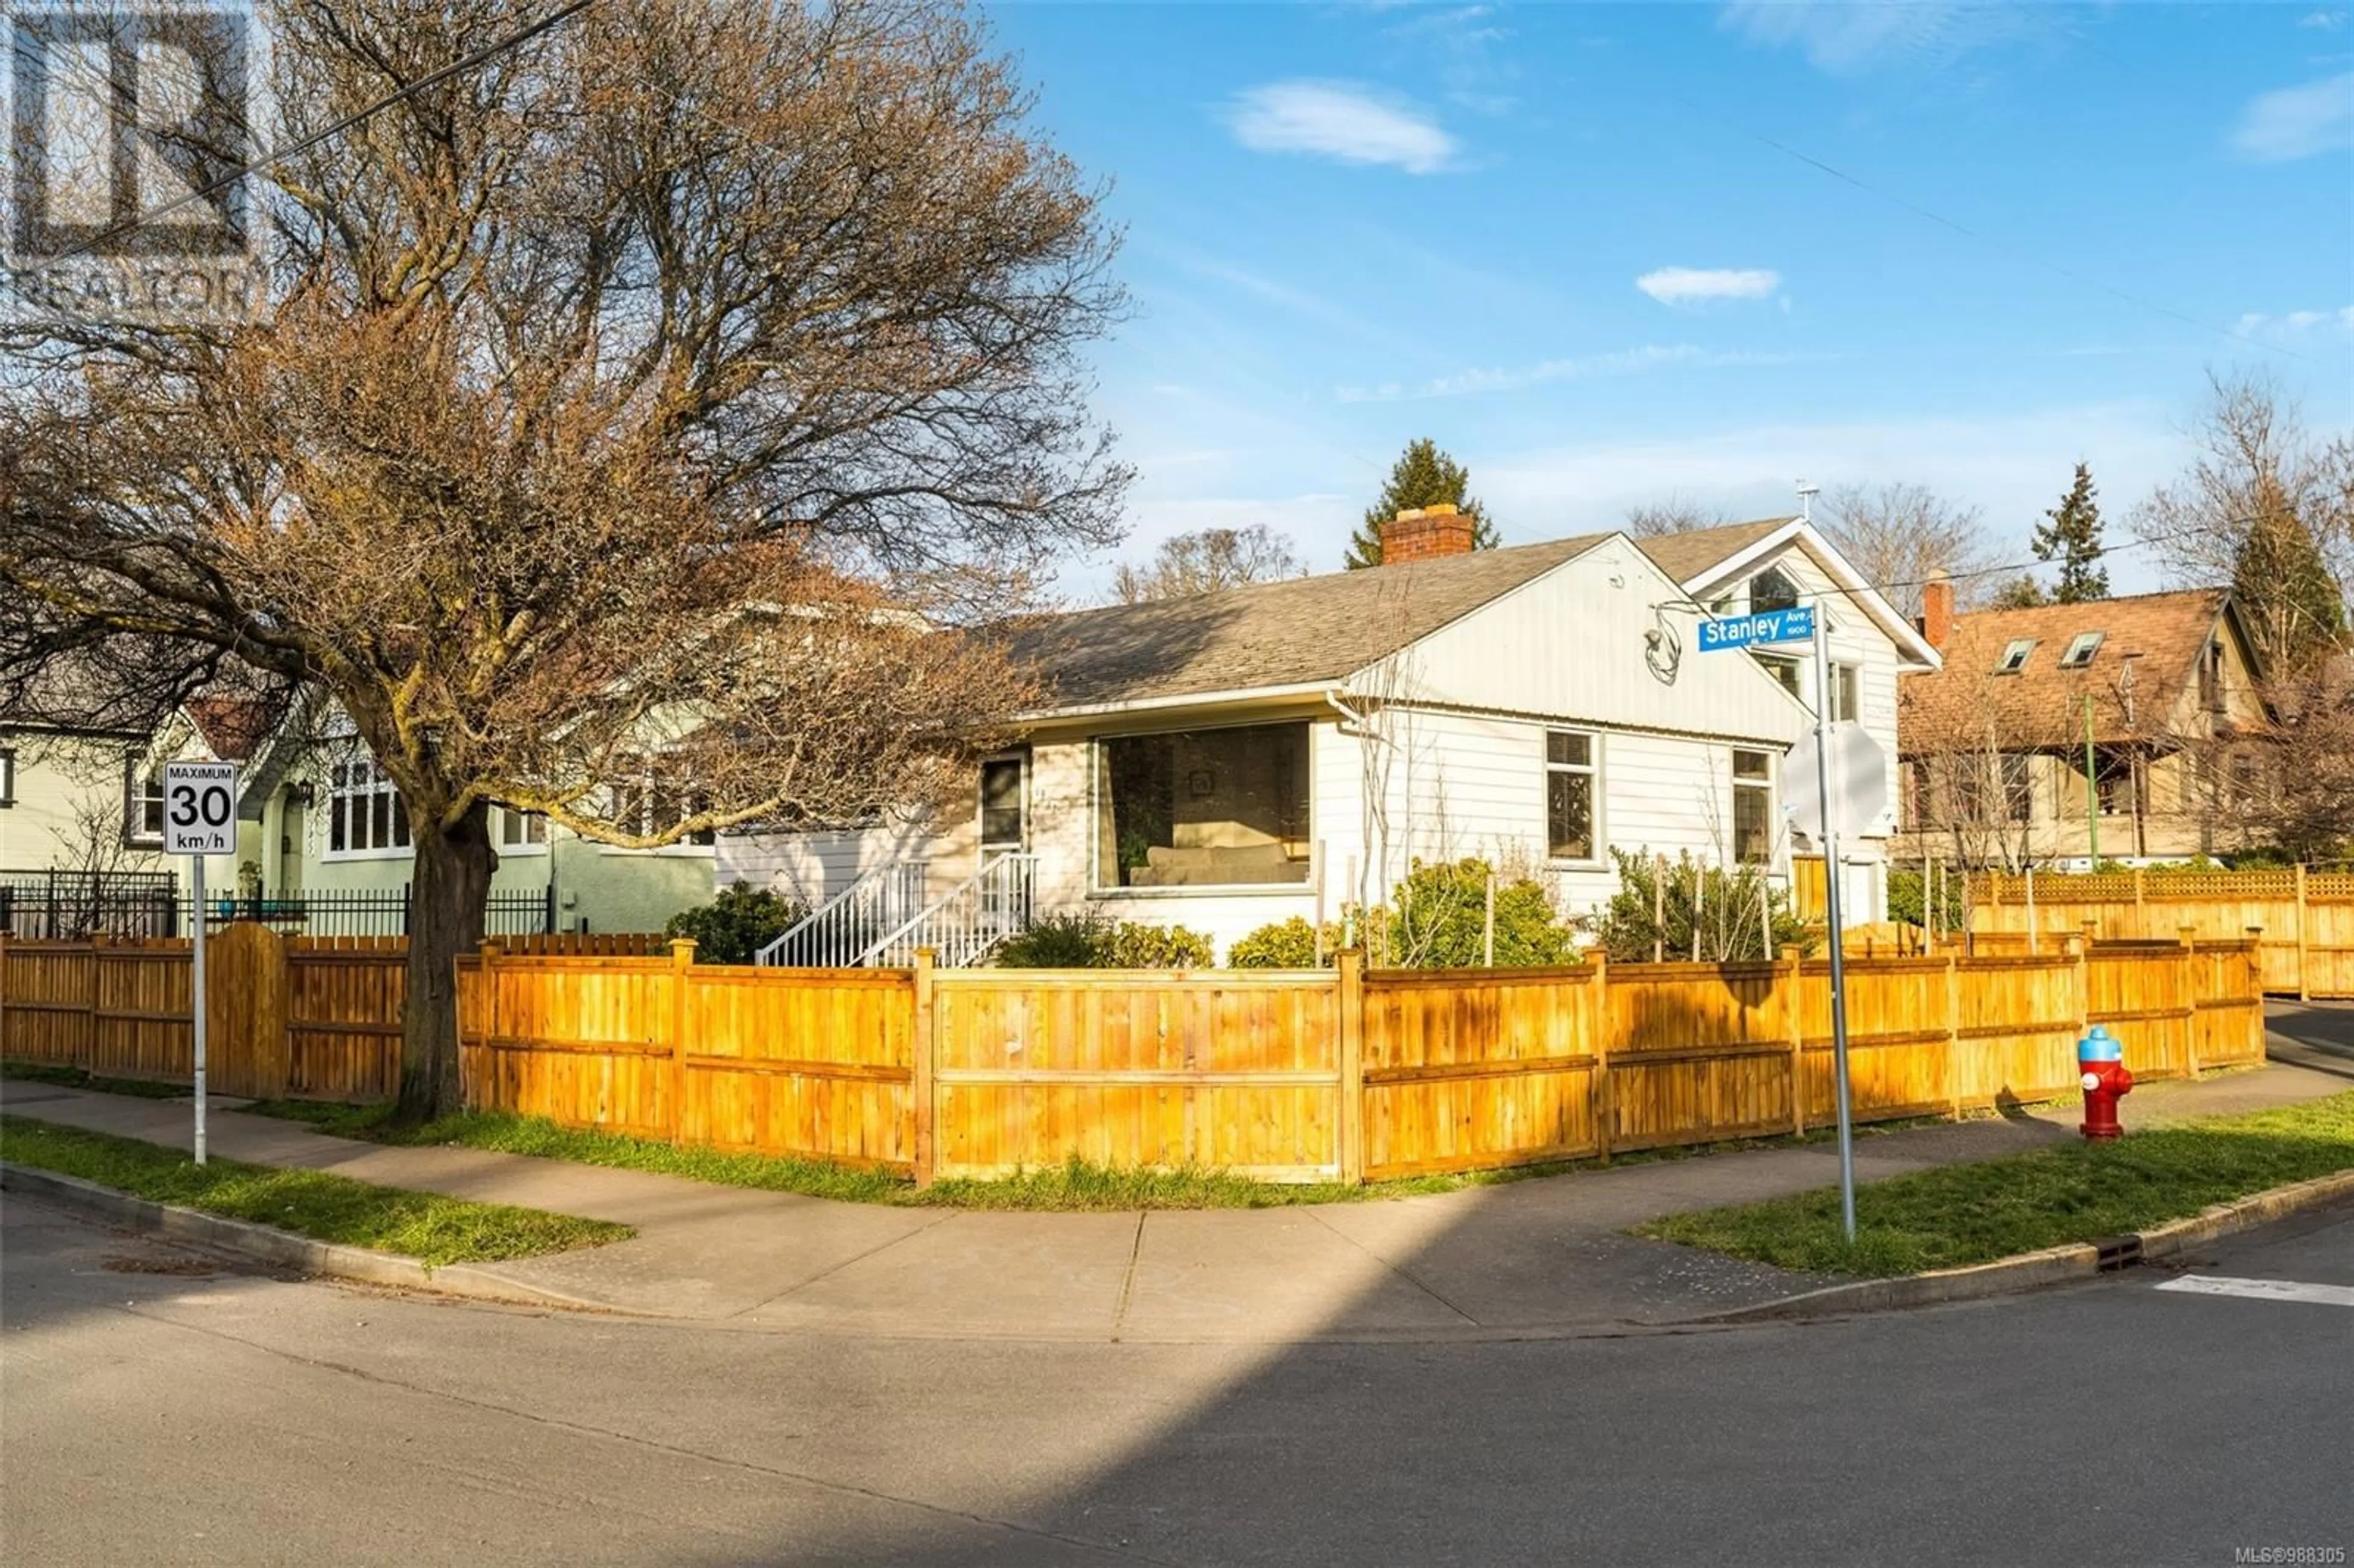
1824 746
197 986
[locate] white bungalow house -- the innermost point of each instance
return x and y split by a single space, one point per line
1229 760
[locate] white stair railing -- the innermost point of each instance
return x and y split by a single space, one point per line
984 910
838 931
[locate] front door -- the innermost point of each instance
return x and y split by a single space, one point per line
1004 805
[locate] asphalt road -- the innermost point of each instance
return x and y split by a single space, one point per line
208 1417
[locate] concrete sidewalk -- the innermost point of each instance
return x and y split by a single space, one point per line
1542 1256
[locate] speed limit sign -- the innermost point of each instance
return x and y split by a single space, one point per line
199 808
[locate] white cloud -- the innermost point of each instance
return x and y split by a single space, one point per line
1699 285
1844 36
1618 362
1340 120
2292 324
2297 121
2327 21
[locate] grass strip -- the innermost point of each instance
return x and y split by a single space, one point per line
80 1079
1075 1185
1961 1214
423 1225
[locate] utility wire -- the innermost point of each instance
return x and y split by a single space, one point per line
1987 241
481 57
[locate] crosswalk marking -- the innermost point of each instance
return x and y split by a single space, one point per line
2262 1289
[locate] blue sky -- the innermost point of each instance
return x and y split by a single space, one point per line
1557 240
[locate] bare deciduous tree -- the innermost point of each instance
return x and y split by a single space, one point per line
1676 514
2269 510
1207 560
633 419
1896 534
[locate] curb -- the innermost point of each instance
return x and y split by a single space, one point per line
283 1249
2054 1266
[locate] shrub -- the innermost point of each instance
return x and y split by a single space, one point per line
736 924
1905 901
1089 942
1283 945
1728 902
1438 920
1055 942
1133 945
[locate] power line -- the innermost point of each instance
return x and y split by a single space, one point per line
1986 240
481 57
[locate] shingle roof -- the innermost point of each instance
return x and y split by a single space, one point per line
1689 555
1288 634
2042 705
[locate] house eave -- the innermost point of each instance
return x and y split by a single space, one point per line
1914 653
1245 697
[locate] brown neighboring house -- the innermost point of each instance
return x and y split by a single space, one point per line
1993 744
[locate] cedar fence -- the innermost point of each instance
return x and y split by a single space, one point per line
1344 1074
2306 918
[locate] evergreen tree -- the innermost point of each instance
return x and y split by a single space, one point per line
2294 611
2071 534
1423 476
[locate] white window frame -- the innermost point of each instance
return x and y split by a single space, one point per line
2082 650
2015 656
355 781
1592 769
1765 786
506 818
1021 762
142 786
690 848
1846 691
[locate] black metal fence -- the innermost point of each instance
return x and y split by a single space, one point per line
70 905
73 906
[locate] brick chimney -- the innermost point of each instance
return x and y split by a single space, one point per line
1423 532
1937 623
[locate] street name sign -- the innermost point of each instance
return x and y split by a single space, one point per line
1764 626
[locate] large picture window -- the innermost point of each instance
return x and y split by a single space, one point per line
365 815
518 833
1569 794
1202 807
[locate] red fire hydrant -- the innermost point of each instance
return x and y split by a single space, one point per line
2100 1057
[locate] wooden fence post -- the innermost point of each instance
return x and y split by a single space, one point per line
1794 960
922 1047
1602 1104
1954 1029
681 959
2256 980
2076 948
2304 986
1348 981
2190 962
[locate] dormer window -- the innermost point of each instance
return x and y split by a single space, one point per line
2080 649
2014 656
1773 589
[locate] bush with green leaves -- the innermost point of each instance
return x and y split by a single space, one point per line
1090 942
1284 945
1438 920
1657 905
1906 904
735 926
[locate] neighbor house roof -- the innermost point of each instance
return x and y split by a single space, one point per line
234 729
1687 556
1296 633
1971 703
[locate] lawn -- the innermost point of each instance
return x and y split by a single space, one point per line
1074 1185
424 1225
1961 1214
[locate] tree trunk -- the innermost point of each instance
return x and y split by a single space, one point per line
451 885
